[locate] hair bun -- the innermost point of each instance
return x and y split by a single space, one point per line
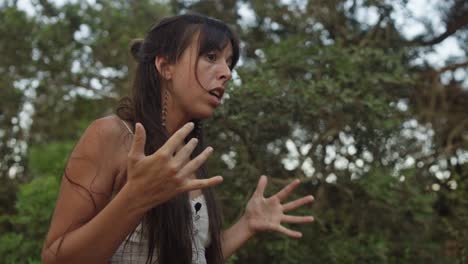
135 48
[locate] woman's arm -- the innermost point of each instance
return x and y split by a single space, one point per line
86 227
234 237
265 214
97 240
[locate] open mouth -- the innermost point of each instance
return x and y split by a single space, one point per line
217 92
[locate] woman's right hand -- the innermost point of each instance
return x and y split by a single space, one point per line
154 179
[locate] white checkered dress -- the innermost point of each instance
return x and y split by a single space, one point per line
135 250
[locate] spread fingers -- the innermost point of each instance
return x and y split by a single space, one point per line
298 203
293 219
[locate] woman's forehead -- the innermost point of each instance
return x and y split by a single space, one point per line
228 49
195 46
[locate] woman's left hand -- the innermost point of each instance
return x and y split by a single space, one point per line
268 214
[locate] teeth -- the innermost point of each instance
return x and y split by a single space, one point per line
214 93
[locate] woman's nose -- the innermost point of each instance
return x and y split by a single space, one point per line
225 72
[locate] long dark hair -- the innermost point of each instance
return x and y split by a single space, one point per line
169 225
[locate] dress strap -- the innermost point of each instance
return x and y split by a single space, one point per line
125 124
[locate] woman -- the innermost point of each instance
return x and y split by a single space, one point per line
135 189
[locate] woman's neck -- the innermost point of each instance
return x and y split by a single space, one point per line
175 117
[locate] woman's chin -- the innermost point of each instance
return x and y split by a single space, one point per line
204 114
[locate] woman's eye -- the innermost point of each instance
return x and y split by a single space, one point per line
211 56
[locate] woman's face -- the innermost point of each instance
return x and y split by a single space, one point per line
198 100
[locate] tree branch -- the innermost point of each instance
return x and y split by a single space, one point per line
374 30
452 67
458 18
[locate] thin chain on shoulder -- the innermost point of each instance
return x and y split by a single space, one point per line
125 124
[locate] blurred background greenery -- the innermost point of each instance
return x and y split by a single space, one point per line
336 93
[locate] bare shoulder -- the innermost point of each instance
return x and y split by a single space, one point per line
105 137
116 137
109 127
104 146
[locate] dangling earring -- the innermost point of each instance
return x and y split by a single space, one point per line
164 110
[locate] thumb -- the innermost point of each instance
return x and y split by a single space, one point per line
139 140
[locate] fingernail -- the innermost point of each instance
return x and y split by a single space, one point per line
190 124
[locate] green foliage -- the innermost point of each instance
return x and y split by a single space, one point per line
34 204
34 208
49 159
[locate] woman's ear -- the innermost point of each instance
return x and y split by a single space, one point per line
164 67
